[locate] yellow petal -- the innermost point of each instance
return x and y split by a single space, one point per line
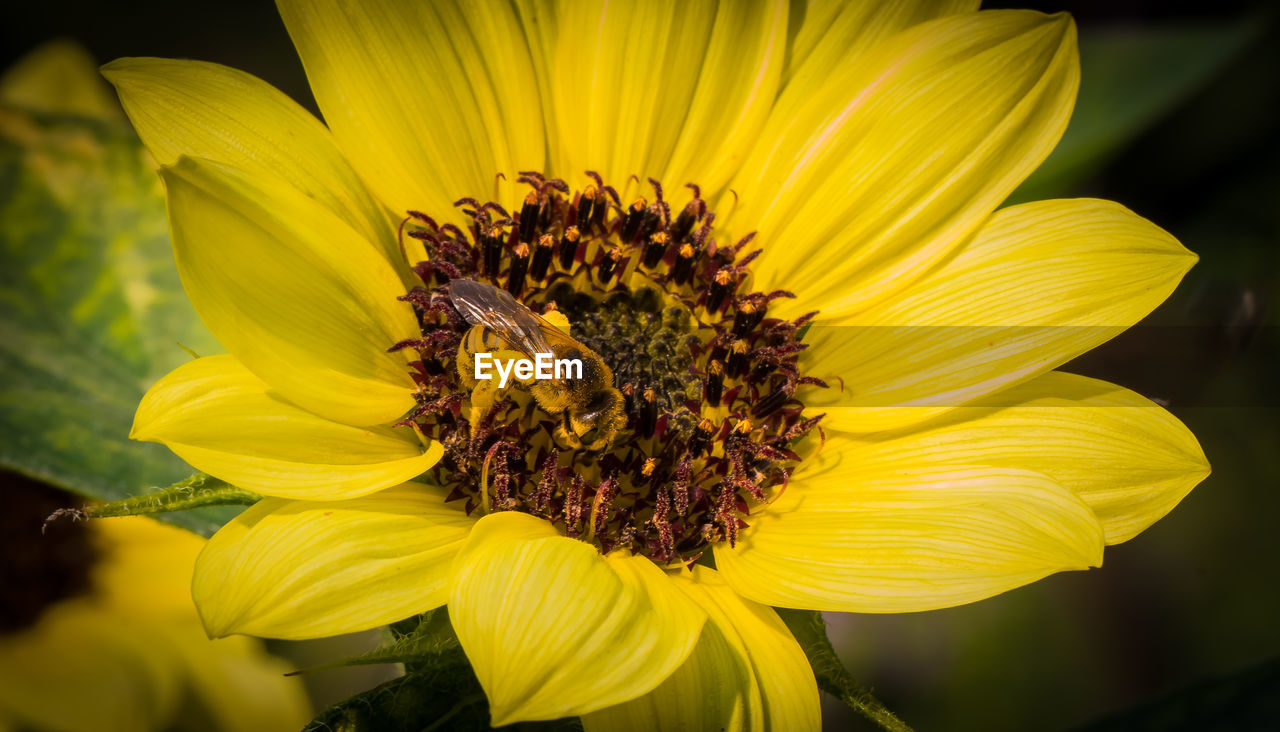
885 163
122 677
738 77
225 421
240 686
746 673
1040 284
833 32
304 569
553 629
58 77
901 538
430 101
206 110
672 90
294 293
146 572
1128 459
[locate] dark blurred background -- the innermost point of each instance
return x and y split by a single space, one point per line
1177 629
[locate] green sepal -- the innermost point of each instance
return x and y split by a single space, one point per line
810 630
198 491
439 690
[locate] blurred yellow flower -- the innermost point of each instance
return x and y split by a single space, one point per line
868 150
98 633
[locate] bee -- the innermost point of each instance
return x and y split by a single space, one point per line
590 409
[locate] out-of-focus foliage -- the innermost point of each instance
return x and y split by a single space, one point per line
1249 700
91 309
1130 77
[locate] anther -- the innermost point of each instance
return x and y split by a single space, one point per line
542 254
701 439
529 214
714 388
722 285
748 316
649 412
583 213
612 263
687 218
738 361
652 219
631 222
655 249
491 249
569 247
683 268
519 267
650 465
769 404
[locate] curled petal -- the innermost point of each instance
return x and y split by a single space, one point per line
430 101
292 291
1128 459
225 421
884 164
900 538
310 569
554 629
206 110
1038 285
746 673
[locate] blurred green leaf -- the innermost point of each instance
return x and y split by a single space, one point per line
811 631
1130 78
91 308
1249 700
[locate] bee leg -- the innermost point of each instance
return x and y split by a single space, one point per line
565 434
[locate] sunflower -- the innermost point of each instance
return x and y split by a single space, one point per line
780 231
100 613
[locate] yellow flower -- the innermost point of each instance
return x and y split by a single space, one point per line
868 148
101 614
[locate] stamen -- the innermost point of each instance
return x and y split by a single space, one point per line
542 254
569 247
519 267
655 249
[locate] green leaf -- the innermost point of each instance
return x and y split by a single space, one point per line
1248 700
811 631
1131 78
439 691
91 308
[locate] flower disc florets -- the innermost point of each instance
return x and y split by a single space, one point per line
709 380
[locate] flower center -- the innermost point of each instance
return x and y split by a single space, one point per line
40 567
707 379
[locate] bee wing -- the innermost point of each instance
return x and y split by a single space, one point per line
497 310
